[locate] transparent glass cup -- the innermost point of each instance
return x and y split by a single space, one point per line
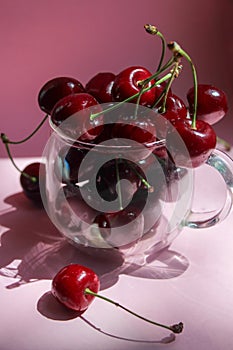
118 195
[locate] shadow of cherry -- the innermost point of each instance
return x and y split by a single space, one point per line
32 249
50 308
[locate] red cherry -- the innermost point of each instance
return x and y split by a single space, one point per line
70 283
30 184
175 108
100 86
211 103
200 141
127 83
55 89
67 164
140 129
80 127
113 171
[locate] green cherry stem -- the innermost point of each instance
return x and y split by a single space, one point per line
169 63
118 185
176 328
174 74
115 106
178 51
154 31
144 181
6 140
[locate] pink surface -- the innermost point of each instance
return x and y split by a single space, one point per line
190 282
43 39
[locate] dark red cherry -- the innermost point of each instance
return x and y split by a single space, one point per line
104 225
55 89
67 164
175 108
70 283
140 129
127 83
80 126
100 86
111 173
199 141
31 184
211 103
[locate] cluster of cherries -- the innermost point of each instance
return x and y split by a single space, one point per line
63 97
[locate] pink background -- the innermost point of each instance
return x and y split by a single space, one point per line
44 39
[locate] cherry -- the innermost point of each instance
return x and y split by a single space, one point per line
211 103
67 164
29 180
175 108
140 128
70 283
102 220
200 141
55 89
100 86
80 126
127 83
75 286
112 172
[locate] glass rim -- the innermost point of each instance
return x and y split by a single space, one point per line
102 146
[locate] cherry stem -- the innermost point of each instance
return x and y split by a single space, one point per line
32 178
175 72
146 183
154 31
179 52
176 328
169 63
6 140
115 106
118 185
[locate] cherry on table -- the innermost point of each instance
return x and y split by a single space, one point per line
55 89
212 103
70 283
30 181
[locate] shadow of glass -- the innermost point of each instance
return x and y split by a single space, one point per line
40 251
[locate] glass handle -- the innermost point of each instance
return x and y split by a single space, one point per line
224 165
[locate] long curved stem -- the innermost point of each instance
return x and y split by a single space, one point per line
154 31
178 51
32 178
177 328
28 137
174 73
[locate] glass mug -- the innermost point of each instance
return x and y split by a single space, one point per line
115 194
